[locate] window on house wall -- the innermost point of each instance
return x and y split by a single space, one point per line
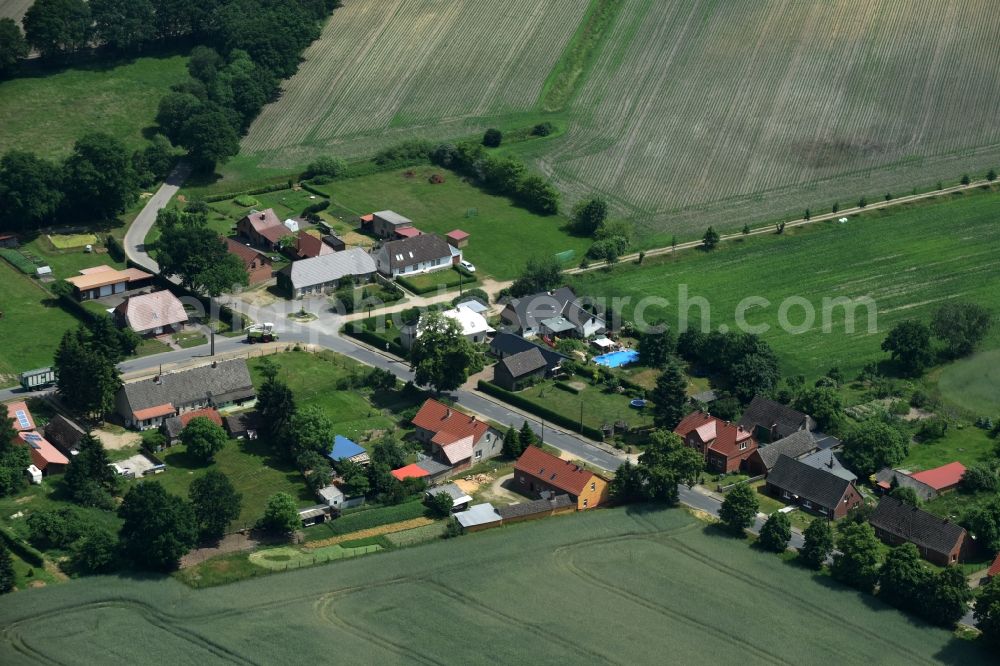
585 502
593 487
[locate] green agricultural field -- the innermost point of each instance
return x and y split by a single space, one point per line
502 235
386 71
31 326
973 384
619 586
46 112
907 260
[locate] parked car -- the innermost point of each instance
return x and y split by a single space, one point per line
469 266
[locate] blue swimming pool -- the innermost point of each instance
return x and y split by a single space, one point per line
617 359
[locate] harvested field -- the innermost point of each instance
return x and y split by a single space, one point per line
653 583
688 113
384 71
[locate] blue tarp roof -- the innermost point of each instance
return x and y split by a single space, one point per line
344 448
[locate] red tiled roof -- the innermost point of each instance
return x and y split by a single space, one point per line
370 217
413 471
705 424
209 413
154 412
994 569
309 246
457 234
267 224
408 232
941 478
447 423
554 471
246 254
43 453
13 408
728 439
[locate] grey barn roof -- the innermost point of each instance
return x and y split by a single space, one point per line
330 268
227 378
916 525
524 363
795 445
393 218
416 250
904 480
536 506
829 462
809 483
767 413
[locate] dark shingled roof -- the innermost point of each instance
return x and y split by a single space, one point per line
795 445
63 433
415 250
239 424
809 483
537 506
765 413
916 525
524 363
228 380
507 344
532 310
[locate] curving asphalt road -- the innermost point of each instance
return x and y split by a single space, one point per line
135 237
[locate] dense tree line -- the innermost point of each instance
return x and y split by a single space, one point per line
98 180
744 361
505 176
959 327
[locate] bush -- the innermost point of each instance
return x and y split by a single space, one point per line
979 478
21 549
492 138
542 129
919 399
932 430
330 167
246 201
414 150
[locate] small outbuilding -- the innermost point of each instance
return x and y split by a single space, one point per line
478 517
457 238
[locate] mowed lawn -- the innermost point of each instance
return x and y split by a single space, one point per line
47 112
973 383
31 326
313 379
502 235
613 586
908 261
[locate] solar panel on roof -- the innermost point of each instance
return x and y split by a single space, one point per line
32 439
22 419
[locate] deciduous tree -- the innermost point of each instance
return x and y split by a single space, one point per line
818 543
857 559
215 503
13 46
776 532
961 326
196 254
125 25
281 514
203 438
538 275
823 405
589 215
30 191
872 445
903 578
909 344
440 505
442 357
739 509
98 180
55 27
158 529
657 346
89 479
987 611
209 138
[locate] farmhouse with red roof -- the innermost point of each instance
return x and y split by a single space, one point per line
726 446
942 479
541 474
456 439
46 457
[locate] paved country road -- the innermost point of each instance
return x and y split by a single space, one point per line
135 237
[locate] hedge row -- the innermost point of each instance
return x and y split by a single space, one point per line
273 187
568 387
370 338
538 410
115 248
21 549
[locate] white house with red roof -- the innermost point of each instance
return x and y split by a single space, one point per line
455 438
46 457
726 446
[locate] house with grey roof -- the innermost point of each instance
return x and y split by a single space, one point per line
147 403
770 421
557 312
828 461
460 500
796 445
939 540
812 488
519 370
478 517
326 272
386 223
419 254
